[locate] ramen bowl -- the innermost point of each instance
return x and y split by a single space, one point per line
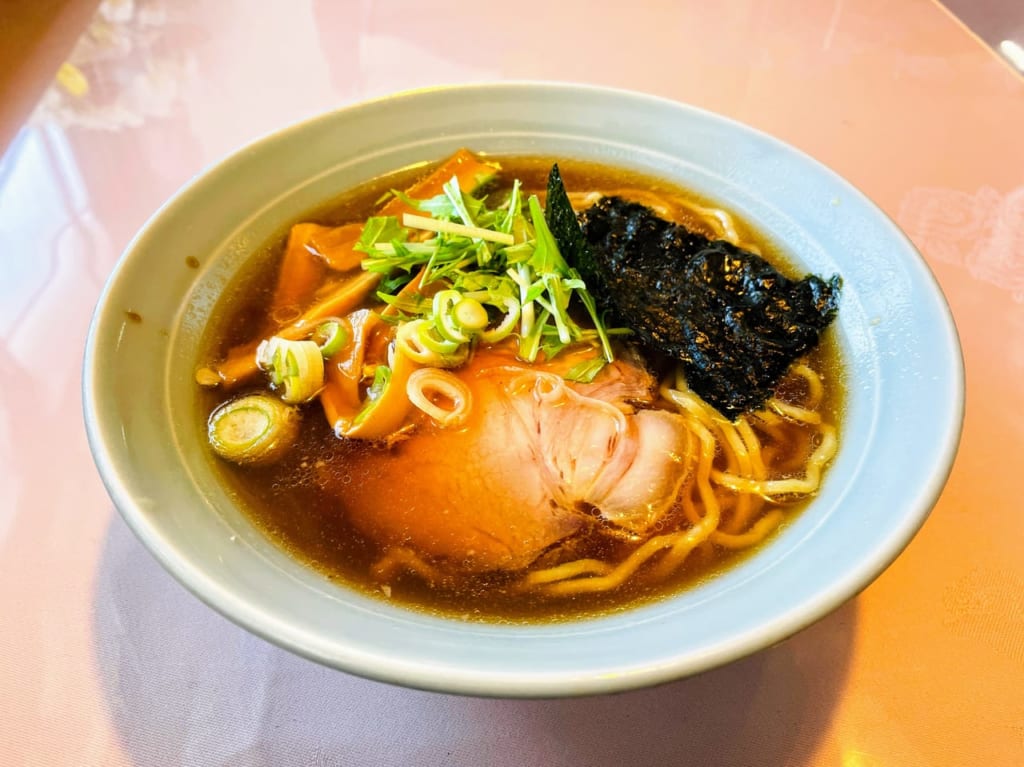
900 425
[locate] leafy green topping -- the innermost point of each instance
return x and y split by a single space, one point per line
381 379
491 289
566 230
586 371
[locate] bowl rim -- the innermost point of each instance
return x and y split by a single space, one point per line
497 682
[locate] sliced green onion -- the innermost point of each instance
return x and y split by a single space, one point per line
381 379
255 429
508 323
430 338
407 342
444 304
295 366
504 257
418 341
469 314
428 385
530 344
331 337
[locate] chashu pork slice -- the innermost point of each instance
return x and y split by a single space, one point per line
510 483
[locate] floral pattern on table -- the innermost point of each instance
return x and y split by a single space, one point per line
983 231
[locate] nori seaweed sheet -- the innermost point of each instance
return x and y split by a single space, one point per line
734 321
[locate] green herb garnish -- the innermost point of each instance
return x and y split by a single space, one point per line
493 289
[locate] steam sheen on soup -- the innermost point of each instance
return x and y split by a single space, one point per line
422 396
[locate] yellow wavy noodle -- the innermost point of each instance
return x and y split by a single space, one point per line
732 500
757 532
400 559
815 387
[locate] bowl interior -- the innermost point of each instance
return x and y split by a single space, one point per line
898 434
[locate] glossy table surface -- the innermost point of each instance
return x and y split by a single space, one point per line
106 660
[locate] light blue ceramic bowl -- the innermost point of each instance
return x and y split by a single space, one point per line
899 433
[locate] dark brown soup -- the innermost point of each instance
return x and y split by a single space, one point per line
510 492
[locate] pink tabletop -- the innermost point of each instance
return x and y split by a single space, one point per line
106 660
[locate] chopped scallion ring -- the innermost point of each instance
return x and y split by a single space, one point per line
296 366
331 336
444 305
418 340
470 315
253 429
427 385
505 257
508 323
407 342
428 336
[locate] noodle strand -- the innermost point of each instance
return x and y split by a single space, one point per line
734 458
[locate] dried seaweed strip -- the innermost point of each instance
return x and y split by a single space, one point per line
734 321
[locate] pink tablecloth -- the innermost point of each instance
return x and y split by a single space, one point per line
105 660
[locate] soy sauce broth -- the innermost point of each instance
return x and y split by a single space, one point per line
288 503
